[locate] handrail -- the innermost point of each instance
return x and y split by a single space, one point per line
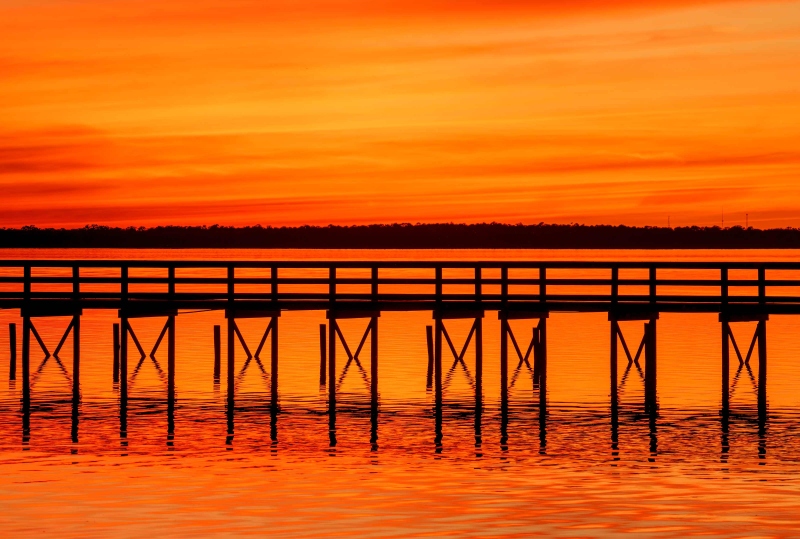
501 285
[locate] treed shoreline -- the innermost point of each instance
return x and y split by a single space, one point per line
405 236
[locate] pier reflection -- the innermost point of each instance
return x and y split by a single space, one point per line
504 419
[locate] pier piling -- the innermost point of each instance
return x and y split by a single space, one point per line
12 344
322 355
217 353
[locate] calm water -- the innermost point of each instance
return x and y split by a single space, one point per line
580 476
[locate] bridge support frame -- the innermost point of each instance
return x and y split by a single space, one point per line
335 334
757 344
538 348
436 336
647 346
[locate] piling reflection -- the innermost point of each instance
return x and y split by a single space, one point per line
529 371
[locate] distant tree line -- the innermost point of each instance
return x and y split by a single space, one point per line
406 236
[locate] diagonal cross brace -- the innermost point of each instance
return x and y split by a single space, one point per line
353 357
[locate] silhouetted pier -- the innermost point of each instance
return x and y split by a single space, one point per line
532 291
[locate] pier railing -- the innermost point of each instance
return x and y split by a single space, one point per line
403 285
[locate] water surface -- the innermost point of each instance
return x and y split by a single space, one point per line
578 474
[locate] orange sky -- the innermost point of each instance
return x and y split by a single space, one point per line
342 111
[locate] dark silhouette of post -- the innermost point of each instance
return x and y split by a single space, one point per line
115 345
217 353
123 380
650 367
76 358
437 368
274 364
332 379
231 360
429 340
26 364
12 345
542 345
374 363
504 363
726 367
762 371
478 381
322 355
170 379
374 384
613 365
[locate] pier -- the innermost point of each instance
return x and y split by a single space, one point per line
738 292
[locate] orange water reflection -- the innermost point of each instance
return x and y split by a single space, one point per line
577 473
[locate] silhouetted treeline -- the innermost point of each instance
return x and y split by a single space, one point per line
407 236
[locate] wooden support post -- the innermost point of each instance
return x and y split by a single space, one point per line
762 369
171 374
274 364
543 370
429 338
171 360
217 353
26 362
437 361
437 371
123 379
115 365
332 379
535 351
231 360
726 366
374 362
478 363
374 384
322 355
650 367
478 381
12 344
614 360
76 358
504 362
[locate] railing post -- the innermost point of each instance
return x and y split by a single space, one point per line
504 286
123 286
76 283
653 291
614 285
231 285
478 284
762 285
171 283
26 285
274 283
332 285
542 284
374 284
438 289
723 277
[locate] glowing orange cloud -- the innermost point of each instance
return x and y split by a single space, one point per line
281 112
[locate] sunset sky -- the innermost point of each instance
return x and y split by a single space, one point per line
281 112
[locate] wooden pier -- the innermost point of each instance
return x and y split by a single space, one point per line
532 291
